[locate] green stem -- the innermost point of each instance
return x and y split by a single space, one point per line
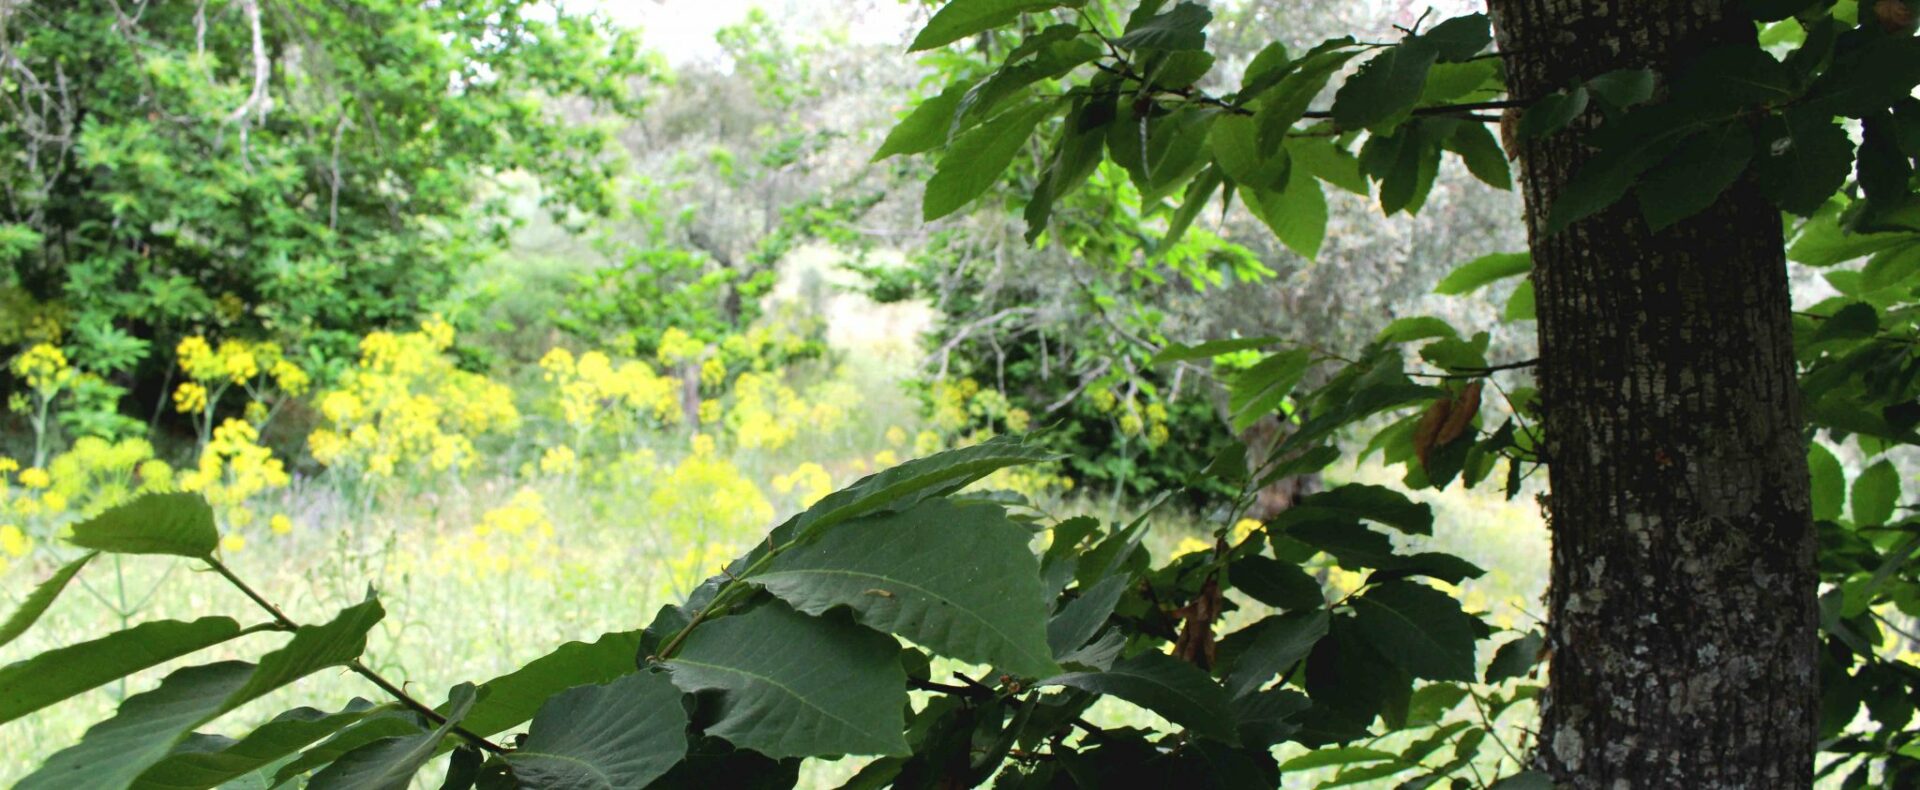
355 665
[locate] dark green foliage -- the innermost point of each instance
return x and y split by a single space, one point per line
335 178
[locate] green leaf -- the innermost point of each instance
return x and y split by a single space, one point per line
116 751
1829 483
1461 37
1419 327
1234 140
1875 493
1516 658
1297 214
1360 501
1278 643
622 734
1165 685
1418 628
179 524
1479 272
1258 391
905 485
961 18
1386 86
1704 166
60 673
1602 181
1405 163
798 686
1454 82
381 723
1822 242
42 597
1199 191
1520 305
1552 112
1890 268
926 128
1328 162
390 763
1336 755
510 699
1525 780
1284 106
957 579
284 735
975 160
1175 352
1281 585
1084 616
1183 28
1482 153
1622 88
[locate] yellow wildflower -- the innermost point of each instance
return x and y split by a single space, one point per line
233 542
14 542
280 524
559 460
35 477
190 398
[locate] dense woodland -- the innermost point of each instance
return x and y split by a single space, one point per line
953 393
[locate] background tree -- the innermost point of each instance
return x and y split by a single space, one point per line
293 171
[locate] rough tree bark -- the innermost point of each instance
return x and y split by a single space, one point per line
1682 608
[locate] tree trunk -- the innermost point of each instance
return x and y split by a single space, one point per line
1682 608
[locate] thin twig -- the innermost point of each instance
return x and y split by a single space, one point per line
355 665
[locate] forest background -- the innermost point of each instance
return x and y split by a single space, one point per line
535 356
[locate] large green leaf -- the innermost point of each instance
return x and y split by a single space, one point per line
1259 390
60 673
1361 501
42 597
1175 352
1282 585
797 686
1284 105
925 128
1875 492
376 726
1829 483
1482 154
1276 643
1418 628
1165 685
390 763
175 523
285 734
1474 274
1084 616
961 18
1809 159
1297 214
957 579
510 699
1461 37
909 483
1385 86
1183 28
1704 166
115 752
974 161
607 737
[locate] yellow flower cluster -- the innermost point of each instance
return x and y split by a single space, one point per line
768 414
514 538
677 347
406 404
809 481
44 368
96 474
706 497
234 468
594 392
